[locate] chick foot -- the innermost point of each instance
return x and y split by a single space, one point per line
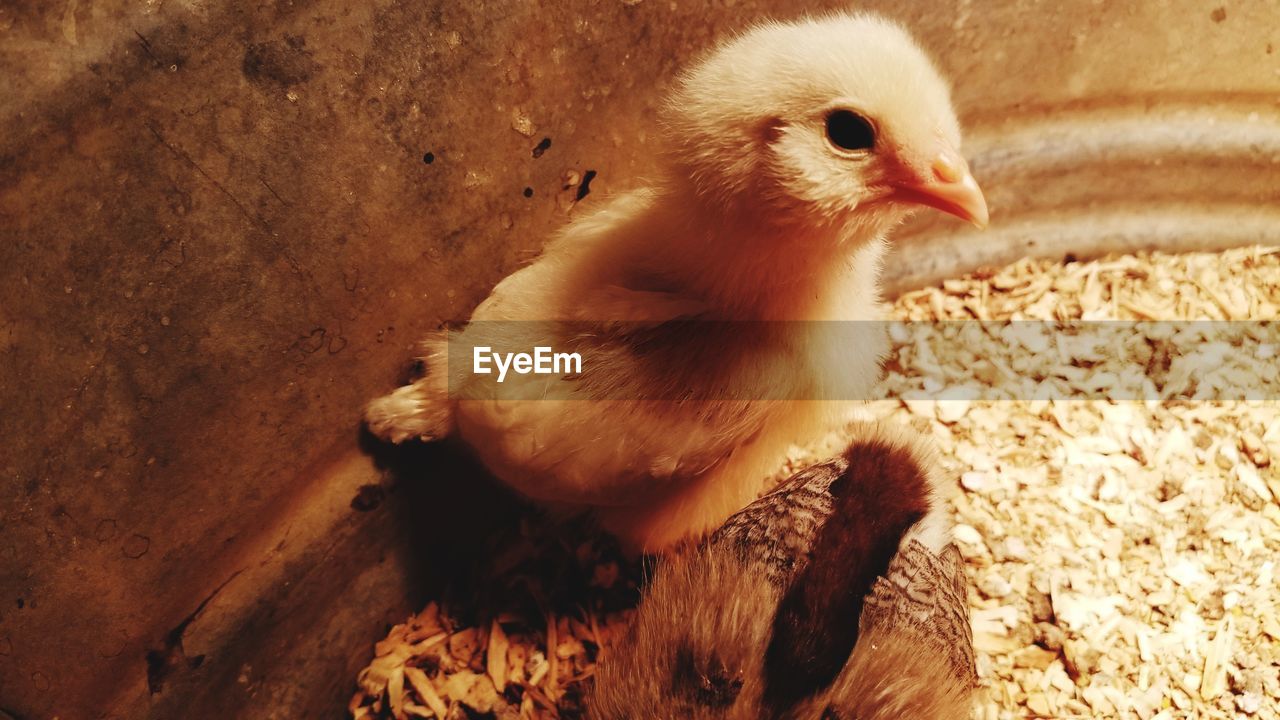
413 412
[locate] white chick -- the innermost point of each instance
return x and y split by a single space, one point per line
790 152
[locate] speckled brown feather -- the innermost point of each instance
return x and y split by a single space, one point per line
702 635
879 496
924 596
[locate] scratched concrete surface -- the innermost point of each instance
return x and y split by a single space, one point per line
222 227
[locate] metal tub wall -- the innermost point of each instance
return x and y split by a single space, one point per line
222 229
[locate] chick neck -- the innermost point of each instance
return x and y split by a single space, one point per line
751 260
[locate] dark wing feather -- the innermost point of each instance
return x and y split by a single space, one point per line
924 596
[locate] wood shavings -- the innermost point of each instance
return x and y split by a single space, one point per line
558 596
1121 552
1138 538
496 656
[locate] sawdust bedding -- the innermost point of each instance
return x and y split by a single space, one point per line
1121 554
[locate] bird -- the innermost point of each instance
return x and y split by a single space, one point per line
838 596
701 304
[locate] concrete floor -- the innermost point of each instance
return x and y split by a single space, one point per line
222 228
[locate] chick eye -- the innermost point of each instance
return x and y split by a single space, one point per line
848 130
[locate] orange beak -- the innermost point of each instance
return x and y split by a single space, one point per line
951 189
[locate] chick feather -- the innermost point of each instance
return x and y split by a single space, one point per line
697 303
839 595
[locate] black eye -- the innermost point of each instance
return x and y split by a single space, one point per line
848 130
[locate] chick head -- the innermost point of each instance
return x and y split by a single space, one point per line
840 119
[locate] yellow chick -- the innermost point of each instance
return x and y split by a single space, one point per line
696 304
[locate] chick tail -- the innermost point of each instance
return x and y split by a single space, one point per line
883 493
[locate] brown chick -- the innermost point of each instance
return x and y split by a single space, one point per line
792 150
839 596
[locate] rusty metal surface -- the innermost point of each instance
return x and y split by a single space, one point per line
219 235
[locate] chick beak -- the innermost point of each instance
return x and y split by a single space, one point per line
951 189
